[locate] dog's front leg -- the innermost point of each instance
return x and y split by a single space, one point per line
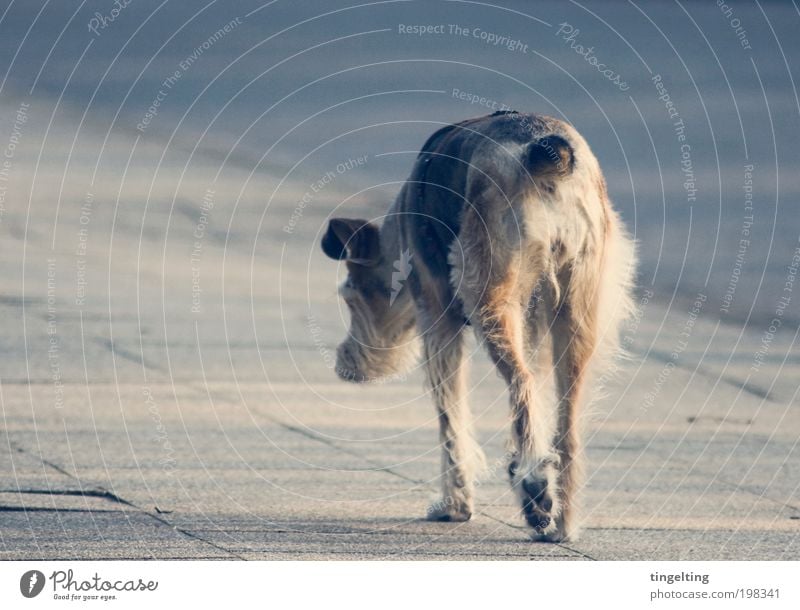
461 455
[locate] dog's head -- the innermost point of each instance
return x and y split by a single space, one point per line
382 336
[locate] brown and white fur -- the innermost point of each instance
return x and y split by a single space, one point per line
510 231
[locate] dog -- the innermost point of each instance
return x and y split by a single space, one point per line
504 226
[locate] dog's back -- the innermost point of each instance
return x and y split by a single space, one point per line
486 188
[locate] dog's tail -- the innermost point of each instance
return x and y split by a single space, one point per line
549 158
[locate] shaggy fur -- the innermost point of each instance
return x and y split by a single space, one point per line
510 231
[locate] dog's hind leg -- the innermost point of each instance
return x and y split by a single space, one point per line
501 324
574 335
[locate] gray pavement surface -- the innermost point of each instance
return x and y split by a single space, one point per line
166 345
317 469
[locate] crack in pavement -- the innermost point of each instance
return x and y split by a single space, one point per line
310 435
100 491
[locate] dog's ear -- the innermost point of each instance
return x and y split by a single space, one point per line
354 240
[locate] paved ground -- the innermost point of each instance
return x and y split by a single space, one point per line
165 345
302 466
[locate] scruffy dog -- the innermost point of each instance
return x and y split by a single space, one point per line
504 225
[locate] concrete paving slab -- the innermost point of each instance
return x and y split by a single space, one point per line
46 535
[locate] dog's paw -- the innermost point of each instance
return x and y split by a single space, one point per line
449 511
536 486
556 535
538 503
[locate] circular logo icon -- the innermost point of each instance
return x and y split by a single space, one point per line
31 583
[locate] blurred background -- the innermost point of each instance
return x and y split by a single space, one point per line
257 101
